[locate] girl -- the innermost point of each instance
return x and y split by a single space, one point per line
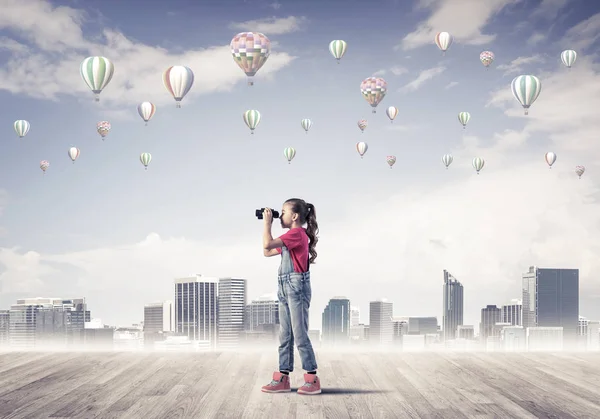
297 249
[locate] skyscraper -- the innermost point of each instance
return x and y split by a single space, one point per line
490 315
196 308
551 299
381 328
453 306
336 322
232 297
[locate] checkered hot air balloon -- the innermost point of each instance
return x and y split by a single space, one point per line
97 72
146 111
463 118
579 170
391 160
443 40
252 119
362 124
289 153
526 89
373 90
250 52
306 124
362 148
478 164
337 48
21 127
178 81
447 159
73 153
103 127
486 58
145 158
44 165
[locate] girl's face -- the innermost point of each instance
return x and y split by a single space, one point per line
287 217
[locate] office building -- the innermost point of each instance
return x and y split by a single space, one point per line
453 306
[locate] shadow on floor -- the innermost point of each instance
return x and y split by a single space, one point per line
330 390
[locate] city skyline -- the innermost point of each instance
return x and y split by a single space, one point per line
106 228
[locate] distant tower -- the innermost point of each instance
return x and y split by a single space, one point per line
453 306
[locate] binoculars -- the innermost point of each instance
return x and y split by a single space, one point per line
259 212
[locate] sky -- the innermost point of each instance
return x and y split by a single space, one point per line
106 229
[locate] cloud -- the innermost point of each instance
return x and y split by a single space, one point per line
396 71
548 9
275 5
449 16
536 38
518 64
423 76
451 85
271 25
583 35
49 67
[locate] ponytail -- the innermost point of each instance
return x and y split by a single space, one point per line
312 229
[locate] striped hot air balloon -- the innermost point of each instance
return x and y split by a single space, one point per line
21 127
568 57
146 111
486 58
447 159
97 72
443 40
550 158
252 119
73 153
478 163
391 160
526 89
337 48
579 170
392 112
362 124
145 158
289 153
250 52
306 124
463 118
44 165
373 90
178 81
362 148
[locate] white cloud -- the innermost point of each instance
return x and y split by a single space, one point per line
275 5
451 85
521 64
39 72
396 71
423 76
451 16
584 35
536 38
548 9
271 25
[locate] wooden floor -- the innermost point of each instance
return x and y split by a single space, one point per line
355 385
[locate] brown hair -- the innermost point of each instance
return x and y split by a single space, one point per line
306 213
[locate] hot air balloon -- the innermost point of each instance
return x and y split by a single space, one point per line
73 153
526 89
362 124
443 40
486 58
373 90
463 118
550 158
97 73
579 170
250 51
252 119
447 159
103 127
178 80
391 160
568 57
22 127
338 49
391 112
44 165
289 154
362 148
306 124
478 163
146 111
145 158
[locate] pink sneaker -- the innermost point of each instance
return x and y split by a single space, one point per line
312 385
279 384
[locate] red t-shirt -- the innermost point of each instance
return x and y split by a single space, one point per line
296 242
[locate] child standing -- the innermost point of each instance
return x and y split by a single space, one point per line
297 249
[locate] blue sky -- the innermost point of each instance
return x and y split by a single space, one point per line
109 230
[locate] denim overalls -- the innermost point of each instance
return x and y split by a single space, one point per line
294 295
